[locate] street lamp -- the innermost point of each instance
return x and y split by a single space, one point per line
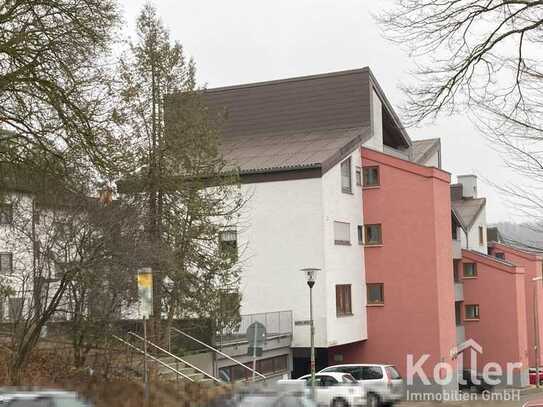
311 274
536 328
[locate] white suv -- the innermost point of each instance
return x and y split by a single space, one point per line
382 384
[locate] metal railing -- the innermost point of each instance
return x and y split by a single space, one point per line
176 357
219 353
152 358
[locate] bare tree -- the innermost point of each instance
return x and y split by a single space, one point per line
482 58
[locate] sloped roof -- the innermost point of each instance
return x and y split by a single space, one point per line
468 209
422 150
317 148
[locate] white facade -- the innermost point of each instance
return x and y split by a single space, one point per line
472 240
289 225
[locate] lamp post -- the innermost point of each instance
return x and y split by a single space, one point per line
311 274
536 327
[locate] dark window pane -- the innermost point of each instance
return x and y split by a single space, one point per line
372 373
6 263
346 183
470 270
376 293
373 235
358 176
472 311
371 176
6 214
343 299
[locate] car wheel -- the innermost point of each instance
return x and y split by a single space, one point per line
373 400
339 403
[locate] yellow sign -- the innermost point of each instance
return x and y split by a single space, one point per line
145 280
145 291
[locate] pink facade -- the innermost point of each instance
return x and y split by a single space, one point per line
533 266
414 264
498 289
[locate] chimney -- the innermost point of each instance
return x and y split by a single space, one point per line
469 185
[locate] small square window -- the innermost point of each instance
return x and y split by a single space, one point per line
376 293
373 235
371 176
472 312
346 181
470 270
358 176
342 233
6 214
343 300
6 263
500 255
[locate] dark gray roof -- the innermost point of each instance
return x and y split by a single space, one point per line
422 150
320 148
299 122
468 209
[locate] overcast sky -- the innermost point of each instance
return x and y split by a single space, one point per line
241 41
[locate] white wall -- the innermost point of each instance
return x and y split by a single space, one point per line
288 225
472 241
344 264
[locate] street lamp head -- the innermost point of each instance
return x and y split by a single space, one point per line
311 275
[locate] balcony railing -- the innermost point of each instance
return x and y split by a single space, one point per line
277 324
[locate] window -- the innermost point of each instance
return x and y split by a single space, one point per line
373 235
15 308
342 233
346 185
470 270
358 176
456 275
376 293
500 255
6 214
458 312
472 312
360 230
228 245
6 263
343 299
481 236
372 372
371 176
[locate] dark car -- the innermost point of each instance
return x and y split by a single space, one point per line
474 381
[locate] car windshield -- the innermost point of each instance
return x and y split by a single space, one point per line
347 378
392 373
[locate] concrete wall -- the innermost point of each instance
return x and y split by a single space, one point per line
414 263
499 290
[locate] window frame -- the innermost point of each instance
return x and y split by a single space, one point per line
477 312
481 236
358 176
349 163
475 273
360 234
8 212
365 171
368 242
381 302
229 252
344 302
341 242
10 254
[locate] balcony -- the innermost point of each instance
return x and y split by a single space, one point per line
458 291
460 334
457 248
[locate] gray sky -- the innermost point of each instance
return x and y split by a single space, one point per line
240 41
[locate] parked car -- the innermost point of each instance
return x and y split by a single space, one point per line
382 384
474 381
336 390
533 375
259 396
44 398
